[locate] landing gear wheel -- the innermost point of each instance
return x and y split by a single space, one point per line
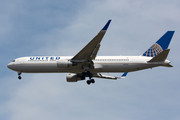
19 77
88 82
92 81
84 74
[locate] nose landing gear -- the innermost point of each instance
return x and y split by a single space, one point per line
19 75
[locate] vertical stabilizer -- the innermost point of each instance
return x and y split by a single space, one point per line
160 45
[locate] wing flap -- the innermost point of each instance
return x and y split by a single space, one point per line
99 75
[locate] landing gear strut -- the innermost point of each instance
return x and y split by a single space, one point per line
19 75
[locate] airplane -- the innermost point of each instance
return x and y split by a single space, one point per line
86 63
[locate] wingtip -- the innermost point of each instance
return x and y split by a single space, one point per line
124 75
107 25
171 31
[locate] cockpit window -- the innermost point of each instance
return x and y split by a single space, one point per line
13 61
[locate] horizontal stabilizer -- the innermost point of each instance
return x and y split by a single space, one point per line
168 65
160 57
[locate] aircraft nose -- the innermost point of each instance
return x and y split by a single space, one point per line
10 65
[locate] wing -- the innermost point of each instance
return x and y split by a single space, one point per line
89 52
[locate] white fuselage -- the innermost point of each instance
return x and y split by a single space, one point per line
49 64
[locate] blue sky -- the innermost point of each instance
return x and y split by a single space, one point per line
59 27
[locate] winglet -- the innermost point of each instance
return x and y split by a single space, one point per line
124 75
107 25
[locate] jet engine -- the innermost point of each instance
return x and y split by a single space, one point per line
73 77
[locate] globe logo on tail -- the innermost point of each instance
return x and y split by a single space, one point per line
154 50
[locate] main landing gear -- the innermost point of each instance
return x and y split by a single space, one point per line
90 81
88 74
19 75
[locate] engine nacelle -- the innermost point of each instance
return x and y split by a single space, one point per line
73 77
63 63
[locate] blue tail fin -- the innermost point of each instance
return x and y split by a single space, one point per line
160 45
